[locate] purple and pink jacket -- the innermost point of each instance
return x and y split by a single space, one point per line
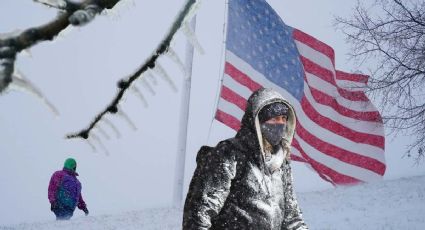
65 189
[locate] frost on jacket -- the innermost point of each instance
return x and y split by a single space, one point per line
233 187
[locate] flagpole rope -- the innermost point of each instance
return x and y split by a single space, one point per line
220 71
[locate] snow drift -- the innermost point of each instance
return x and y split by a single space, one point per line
393 204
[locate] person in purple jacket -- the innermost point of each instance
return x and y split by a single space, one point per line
65 191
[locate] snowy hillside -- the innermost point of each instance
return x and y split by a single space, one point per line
395 204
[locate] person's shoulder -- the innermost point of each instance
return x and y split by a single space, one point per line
59 172
57 175
226 144
222 150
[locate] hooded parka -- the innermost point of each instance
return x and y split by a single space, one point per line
234 186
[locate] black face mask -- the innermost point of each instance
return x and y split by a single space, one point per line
273 132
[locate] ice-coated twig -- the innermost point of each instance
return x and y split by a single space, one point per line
13 33
126 118
76 13
140 95
112 126
148 86
173 56
103 132
192 11
19 82
102 146
161 72
151 63
84 16
59 4
191 37
7 66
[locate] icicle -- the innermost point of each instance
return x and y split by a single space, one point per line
59 4
191 37
173 55
112 126
20 83
148 86
102 131
126 118
158 68
192 11
139 94
93 148
96 138
150 75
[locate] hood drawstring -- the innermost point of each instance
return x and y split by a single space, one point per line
263 165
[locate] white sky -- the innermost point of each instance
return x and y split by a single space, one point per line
78 73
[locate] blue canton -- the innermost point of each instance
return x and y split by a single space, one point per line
257 35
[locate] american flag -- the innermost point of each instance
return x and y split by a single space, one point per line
339 131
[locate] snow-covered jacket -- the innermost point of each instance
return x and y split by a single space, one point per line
233 188
65 190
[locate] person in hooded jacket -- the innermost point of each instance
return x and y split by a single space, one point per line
246 182
64 192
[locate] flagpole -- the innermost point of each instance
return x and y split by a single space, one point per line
221 70
184 121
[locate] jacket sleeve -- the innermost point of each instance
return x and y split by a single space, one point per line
53 186
293 219
81 204
209 187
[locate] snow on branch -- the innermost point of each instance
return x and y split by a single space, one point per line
150 64
73 13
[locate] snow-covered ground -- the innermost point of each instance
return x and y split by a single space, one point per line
393 204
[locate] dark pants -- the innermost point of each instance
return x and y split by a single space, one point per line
63 213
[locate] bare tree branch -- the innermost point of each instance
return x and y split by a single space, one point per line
73 13
126 83
390 38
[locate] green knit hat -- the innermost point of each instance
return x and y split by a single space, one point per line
70 164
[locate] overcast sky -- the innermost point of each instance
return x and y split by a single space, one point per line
78 74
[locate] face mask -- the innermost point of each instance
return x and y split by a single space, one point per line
273 132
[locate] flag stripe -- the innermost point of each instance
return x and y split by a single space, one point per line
340 154
240 77
230 109
230 96
339 129
325 99
344 143
317 83
338 166
314 43
228 120
236 86
297 158
351 85
327 75
340 75
326 173
351 120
